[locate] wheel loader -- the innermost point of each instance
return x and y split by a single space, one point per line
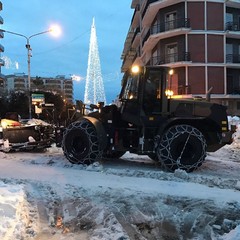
148 120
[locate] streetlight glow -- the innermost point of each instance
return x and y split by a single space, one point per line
55 30
76 78
135 69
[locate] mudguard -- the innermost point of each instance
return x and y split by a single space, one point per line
101 133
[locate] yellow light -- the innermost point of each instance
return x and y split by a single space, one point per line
135 69
4 124
8 122
169 93
171 72
131 96
55 30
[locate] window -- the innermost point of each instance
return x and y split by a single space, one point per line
229 21
229 17
152 93
131 88
229 53
170 21
155 57
238 105
171 53
155 27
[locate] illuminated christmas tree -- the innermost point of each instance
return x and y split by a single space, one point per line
94 89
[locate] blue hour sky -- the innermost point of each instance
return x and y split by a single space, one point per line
67 54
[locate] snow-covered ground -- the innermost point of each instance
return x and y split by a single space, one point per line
43 196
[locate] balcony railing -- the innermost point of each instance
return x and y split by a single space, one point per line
233 90
232 26
232 58
135 33
167 26
135 12
171 58
170 25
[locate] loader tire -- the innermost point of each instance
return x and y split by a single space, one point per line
182 147
80 143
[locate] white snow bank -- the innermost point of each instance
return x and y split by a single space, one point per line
11 207
233 235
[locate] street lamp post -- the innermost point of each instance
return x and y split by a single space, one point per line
56 31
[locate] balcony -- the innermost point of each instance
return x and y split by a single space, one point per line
135 19
171 58
147 5
233 3
2 63
128 43
232 58
134 3
1 48
152 7
136 38
128 59
232 26
170 25
233 91
165 30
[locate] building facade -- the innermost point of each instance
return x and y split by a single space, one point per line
1 51
198 39
60 85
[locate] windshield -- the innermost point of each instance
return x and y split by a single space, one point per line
130 90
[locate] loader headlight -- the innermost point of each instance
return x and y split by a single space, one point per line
4 124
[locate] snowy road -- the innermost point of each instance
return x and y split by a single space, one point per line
130 198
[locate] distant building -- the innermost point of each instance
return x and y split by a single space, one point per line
60 84
199 40
1 50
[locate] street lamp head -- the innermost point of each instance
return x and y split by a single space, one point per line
55 30
171 72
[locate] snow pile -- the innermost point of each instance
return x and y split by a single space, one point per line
12 205
35 121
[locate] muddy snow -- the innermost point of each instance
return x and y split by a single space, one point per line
43 196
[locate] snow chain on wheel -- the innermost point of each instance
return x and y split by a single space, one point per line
80 143
182 147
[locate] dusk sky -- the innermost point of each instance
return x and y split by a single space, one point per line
67 54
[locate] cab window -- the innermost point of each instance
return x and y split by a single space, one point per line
131 88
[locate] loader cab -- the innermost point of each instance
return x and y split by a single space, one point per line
143 93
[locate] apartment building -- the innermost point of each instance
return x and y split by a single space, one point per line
60 84
1 50
198 39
